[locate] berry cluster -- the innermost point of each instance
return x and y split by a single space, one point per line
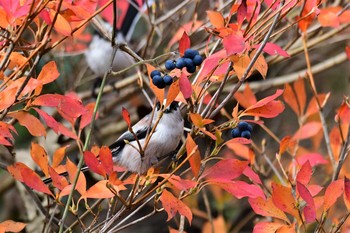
159 80
190 60
242 130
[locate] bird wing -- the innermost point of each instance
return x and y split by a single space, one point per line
140 129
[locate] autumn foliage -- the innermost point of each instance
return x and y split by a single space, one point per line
264 62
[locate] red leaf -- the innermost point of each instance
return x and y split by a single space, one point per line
248 172
225 170
309 209
266 208
267 227
54 125
93 163
86 118
184 43
240 189
333 192
313 158
39 156
26 175
283 198
106 159
34 126
234 44
308 130
58 181
273 49
126 116
266 100
328 17
5 132
304 174
172 205
347 192
216 19
308 14
11 226
195 156
188 28
180 184
269 110
185 86
347 51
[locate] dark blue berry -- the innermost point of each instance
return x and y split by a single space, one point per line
155 72
170 65
188 62
191 69
180 63
197 60
168 80
158 81
235 133
245 134
190 53
250 128
243 126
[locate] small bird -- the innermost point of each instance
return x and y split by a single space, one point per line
164 140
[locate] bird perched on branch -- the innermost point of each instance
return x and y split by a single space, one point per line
100 51
154 137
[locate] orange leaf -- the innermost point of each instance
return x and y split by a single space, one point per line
299 87
34 126
39 156
218 223
290 98
216 19
61 25
126 116
240 64
198 121
194 154
7 97
260 65
172 205
333 192
267 208
48 74
11 226
99 190
347 192
283 199
286 143
246 98
308 130
15 170
58 181
72 170
159 93
16 60
58 156
174 90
